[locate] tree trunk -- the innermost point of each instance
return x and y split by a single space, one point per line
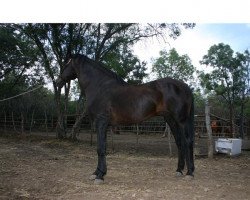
34 35
22 123
46 121
76 127
60 129
242 120
66 102
209 130
80 115
232 117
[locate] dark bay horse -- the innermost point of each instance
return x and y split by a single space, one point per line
110 100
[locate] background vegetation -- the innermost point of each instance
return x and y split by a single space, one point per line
32 55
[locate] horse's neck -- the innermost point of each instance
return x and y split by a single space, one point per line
94 80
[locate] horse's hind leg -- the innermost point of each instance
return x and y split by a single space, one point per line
175 129
181 154
189 137
185 150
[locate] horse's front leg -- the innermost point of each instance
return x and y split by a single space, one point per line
101 170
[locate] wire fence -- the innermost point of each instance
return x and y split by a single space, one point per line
154 125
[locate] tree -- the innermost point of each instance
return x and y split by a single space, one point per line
126 65
17 56
173 65
243 83
225 78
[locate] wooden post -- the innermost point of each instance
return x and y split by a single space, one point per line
167 131
13 122
137 136
209 130
5 121
112 139
22 123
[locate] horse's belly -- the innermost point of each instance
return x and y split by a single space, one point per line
130 115
135 106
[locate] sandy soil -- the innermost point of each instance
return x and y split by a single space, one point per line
33 167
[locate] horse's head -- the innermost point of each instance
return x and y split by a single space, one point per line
67 74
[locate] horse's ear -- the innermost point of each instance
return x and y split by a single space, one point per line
68 57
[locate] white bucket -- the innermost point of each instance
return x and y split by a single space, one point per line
229 146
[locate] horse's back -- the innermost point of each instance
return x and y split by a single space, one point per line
177 87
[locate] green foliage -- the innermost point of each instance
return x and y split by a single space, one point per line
199 102
173 65
17 55
228 79
31 54
48 44
126 65
229 73
247 108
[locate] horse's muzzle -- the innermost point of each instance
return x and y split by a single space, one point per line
60 83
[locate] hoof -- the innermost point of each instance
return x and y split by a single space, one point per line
189 177
98 181
178 174
92 177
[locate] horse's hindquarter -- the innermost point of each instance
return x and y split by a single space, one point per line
177 97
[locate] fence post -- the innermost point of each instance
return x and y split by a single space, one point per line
112 139
137 136
209 130
32 120
22 123
5 121
13 122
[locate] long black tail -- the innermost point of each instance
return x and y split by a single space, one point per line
191 121
189 133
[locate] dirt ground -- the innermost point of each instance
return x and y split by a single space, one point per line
34 167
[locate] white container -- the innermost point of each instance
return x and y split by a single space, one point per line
229 146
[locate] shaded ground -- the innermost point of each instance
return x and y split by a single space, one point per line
44 168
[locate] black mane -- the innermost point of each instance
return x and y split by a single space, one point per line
100 67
